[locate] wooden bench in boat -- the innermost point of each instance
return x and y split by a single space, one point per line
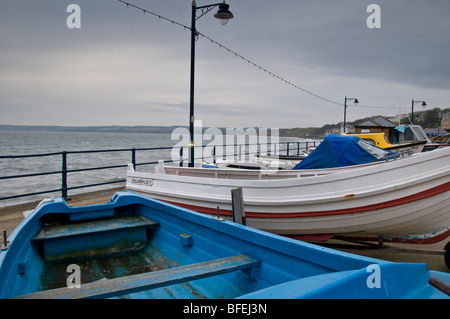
93 226
107 288
94 238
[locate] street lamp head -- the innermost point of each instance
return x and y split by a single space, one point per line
424 104
223 14
356 101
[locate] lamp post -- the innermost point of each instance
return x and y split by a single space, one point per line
412 108
223 14
345 108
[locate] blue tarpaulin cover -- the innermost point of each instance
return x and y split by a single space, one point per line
339 151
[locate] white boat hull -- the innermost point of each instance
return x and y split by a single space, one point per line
407 197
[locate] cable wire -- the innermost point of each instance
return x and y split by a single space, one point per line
235 53
251 62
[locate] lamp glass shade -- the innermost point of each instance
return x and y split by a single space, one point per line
223 14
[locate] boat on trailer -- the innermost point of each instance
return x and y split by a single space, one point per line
405 200
137 247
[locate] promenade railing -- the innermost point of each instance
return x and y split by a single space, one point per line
282 148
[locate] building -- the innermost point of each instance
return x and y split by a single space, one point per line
445 122
374 125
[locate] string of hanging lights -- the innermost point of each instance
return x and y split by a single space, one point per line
254 64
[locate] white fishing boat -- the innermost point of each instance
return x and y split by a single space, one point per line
406 198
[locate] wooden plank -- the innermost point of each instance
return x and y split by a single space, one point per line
93 226
146 281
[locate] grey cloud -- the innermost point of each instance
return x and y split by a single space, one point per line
122 57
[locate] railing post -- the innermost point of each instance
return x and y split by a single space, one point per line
6 243
133 158
181 156
214 154
64 176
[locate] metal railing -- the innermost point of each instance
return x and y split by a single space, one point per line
290 148
65 171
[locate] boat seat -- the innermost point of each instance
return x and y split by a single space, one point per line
107 288
84 240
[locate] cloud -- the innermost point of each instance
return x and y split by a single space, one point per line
124 67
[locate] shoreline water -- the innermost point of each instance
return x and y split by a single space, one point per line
40 158
35 143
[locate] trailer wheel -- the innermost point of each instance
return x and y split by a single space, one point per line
447 255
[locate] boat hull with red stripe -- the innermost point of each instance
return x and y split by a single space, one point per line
406 197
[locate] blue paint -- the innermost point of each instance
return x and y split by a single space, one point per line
287 268
77 241
92 215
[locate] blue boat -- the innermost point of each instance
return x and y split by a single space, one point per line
137 247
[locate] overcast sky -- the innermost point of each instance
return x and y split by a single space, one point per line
124 67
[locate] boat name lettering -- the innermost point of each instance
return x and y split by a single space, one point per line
142 181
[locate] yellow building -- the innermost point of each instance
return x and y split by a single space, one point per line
445 123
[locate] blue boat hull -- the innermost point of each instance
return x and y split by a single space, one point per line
136 247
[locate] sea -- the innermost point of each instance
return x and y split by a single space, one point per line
42 142
13 143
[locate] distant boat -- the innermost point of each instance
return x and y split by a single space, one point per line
136 247
438 140
409 133
406 138
406 198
